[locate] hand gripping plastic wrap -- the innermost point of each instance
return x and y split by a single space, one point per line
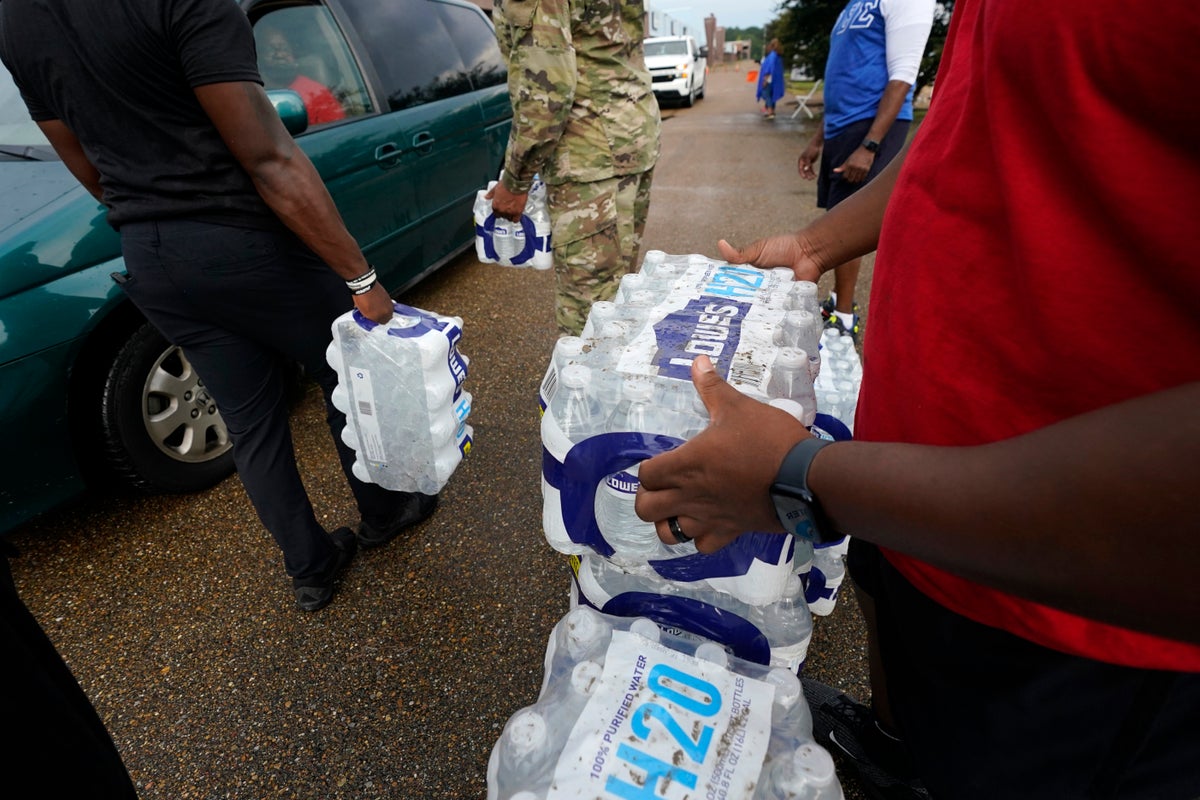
514 244
400 385
627 710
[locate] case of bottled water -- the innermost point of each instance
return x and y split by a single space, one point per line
514 244
776 633
627 709
621 393
400 385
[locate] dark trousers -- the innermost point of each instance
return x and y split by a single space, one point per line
56 741
240 302
991 716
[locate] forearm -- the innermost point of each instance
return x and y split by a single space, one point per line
69 149
1092 515
851 228
889 108
291 186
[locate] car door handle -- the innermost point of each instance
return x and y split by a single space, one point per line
423 141
387 155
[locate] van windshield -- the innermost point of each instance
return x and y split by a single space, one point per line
675 47
19 136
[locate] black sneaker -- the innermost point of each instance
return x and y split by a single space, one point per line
848 729
414 508
313 594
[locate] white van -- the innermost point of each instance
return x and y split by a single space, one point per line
677 68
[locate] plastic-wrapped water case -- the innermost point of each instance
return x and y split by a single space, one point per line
621 393
777 633
400 385
514 244
629 710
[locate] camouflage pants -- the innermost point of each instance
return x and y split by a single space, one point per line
597 230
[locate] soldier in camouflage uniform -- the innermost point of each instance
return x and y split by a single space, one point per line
586 120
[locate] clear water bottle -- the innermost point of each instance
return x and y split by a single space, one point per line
789 379
632 539
651 260
806 773
578 413
788 624
825 581
630 283
713 653
802 295
523 758
601 311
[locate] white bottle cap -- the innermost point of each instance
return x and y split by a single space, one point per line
586 677
646 629
714 653
787 686
526 732
576 376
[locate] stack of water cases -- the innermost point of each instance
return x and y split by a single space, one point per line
627 710
622 393
525 243
400 385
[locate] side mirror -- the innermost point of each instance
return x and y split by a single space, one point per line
291 110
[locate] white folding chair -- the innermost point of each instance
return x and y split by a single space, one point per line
804 101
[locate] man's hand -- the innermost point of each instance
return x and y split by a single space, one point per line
507 204
856 167
375 305
787 250
808 158
717 485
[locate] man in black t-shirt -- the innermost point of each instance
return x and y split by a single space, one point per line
233 246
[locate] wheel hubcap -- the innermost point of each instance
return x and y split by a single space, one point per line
180 415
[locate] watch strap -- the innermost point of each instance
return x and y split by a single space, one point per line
793 473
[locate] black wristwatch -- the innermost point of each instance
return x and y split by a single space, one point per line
797 507
871 146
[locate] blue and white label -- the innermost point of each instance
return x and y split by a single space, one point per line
665 726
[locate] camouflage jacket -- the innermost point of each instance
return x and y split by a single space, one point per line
582 105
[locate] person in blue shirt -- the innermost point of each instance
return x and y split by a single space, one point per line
770 79
875 52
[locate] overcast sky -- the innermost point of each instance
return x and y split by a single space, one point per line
729 13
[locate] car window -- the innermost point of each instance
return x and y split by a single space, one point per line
415 47
301 48
674 48
475 39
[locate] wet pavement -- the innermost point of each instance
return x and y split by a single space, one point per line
176 617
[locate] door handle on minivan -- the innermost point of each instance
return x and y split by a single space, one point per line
387 155
423 141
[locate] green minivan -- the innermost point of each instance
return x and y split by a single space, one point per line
402 105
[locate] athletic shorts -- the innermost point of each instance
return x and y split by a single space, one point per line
831 189
987 714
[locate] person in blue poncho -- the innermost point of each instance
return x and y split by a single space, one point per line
770 79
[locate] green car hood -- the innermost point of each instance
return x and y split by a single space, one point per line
49 226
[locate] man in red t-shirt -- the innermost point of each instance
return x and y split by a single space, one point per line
1028 471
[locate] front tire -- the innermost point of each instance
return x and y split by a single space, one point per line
690 100
160 428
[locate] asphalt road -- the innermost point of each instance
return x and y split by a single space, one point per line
177 619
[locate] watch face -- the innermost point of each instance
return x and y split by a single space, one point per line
795 514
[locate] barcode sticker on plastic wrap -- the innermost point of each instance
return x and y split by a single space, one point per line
665 725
